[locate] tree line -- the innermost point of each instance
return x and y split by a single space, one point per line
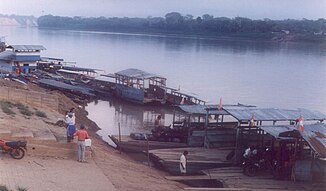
175 23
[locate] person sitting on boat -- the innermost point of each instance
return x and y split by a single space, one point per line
157 121
183 163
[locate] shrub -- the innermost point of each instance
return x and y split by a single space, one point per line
24 109
5 106
3 188
21 189
40 114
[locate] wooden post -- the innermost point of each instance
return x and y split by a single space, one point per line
148 152
119 138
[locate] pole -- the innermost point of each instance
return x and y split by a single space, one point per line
119 138
148 152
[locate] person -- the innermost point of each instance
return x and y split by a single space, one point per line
71 129
157 121
183 163
82 135
250 152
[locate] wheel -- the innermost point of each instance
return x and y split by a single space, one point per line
17 153
250 170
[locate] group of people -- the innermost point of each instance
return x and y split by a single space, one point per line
81 134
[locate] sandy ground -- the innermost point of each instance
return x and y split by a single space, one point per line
107 169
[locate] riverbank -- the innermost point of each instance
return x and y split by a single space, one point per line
49 169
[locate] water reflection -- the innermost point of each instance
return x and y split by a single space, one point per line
132 118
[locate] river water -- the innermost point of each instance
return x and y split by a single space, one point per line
265 74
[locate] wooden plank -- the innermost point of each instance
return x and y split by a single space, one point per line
198 177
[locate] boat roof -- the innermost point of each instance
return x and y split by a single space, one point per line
27 47
212 109
61 85
314 134
138 74
273 114
74 68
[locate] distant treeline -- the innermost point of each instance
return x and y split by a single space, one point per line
175 23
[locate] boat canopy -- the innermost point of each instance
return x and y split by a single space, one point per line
314 134
211 109
138 74
273 114
27 47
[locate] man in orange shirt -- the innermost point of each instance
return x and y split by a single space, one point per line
82 135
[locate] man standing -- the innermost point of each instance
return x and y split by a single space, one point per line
82 135
183 162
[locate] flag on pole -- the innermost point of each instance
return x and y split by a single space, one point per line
220 104
182 101
300 128
252 121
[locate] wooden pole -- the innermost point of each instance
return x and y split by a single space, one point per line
148 152
119 137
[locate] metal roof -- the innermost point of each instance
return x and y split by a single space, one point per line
213 109
138 74
314 134
27 47
200 109
273 114
275 130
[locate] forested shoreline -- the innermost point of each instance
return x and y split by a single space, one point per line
206 25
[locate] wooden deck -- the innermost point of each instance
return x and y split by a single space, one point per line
198 159
232 178
128 144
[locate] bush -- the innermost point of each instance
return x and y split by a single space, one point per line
21 189
40 114
24 109
3 188
5 106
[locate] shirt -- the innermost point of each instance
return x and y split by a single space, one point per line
81 134
183 160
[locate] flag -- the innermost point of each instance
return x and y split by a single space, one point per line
182 101
300 128
252 120
220 104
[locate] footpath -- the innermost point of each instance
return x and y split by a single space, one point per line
50 174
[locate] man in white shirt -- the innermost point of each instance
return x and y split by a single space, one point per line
183 163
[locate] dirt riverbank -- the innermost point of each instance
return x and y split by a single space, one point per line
119 169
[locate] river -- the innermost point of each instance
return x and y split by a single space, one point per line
265 74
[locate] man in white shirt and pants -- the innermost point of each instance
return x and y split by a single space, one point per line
183 163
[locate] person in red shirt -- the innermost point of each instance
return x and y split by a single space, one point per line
81 135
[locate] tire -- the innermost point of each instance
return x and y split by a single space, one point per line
17 153
250 170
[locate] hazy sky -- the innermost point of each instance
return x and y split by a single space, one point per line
254 9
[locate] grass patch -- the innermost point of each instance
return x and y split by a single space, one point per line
3 188
24 109
6 108
21 189
40 114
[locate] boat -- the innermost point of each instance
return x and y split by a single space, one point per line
146 88
137 143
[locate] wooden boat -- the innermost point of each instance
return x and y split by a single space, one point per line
128 144
198 159
146 88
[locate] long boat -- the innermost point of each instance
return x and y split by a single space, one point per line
128 144
146 88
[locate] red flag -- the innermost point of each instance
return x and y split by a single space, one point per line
220 105
182 101
252 120
300 128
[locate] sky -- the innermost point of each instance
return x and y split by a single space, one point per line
253 9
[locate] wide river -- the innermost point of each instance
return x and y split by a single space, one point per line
265 74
